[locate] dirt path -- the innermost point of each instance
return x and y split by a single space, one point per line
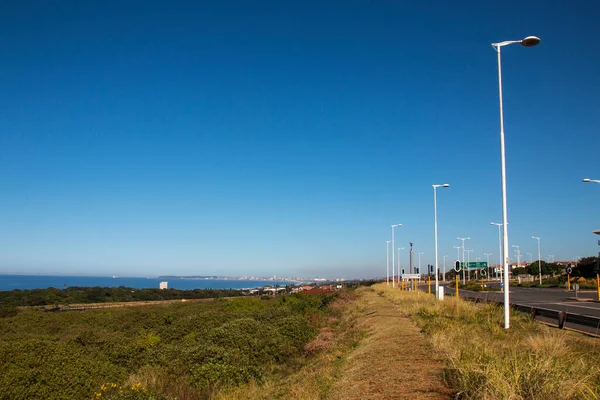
392 362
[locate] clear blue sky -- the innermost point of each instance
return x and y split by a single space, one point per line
235 138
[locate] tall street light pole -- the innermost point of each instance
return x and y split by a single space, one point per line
463 257
435 237
393 280
444 272
518 255
539 258
530 258
399 248
499 248
488 261
387 261
420 272
527 42
468 262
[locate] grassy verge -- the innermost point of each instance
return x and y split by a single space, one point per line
485 361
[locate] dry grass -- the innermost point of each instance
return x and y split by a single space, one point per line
372 351
485 361
313 379
393 360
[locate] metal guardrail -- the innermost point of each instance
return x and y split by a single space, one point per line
560 318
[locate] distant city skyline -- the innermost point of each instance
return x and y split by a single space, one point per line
284 138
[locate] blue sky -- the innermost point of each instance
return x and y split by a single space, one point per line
283 138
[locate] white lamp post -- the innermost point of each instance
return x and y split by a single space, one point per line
530 258
393 280
499 247
468 262
437 284
387 261
420 272
457 252
488 261
463 257
444 272
399 248
539 258
527 42
518 255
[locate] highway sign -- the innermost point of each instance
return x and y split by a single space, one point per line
475 265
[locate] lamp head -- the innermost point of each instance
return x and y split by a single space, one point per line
586 180
530 41
445 185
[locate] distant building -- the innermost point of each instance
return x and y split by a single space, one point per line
163 285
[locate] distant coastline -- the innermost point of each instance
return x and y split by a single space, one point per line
29 282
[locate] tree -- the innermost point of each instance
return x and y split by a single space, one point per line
586 267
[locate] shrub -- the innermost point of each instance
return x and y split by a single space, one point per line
7 311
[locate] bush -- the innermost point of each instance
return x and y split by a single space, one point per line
180 350
7 311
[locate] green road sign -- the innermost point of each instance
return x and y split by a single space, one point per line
475 265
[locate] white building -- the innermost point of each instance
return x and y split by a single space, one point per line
163 285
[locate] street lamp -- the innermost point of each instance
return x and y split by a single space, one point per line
393 226
387 261
499 225
518 255
399 248
539 258
463 257
530 258
457 252
444 272
488 265
420 272
468 262
527 42
590 180
437 285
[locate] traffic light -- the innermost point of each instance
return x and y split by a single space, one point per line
569 269
402 271
457 266
483 272
417 270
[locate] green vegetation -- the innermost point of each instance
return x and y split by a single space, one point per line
485 361
477 287
85 295
179 350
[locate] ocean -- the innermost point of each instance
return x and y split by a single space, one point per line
10 282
